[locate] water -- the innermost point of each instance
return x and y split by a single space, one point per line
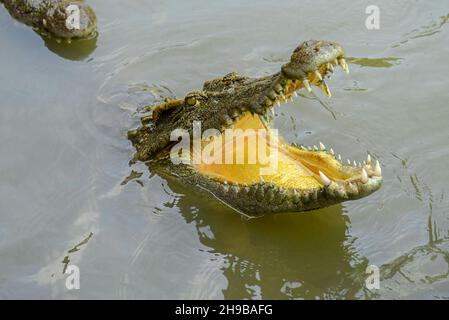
64 115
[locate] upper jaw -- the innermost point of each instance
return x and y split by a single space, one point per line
310 64
301 73
310 56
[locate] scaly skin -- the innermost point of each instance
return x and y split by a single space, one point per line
306 179
49 17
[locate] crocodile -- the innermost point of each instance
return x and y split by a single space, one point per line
50 17
305 178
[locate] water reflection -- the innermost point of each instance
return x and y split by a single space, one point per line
427 30
375 63
77 50
303 255
276 257
420 273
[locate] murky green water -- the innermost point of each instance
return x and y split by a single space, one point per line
64 155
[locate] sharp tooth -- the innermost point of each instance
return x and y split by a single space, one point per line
303 148
355 163
318 75
272 112
360 164
335 62
368 159
278 104
291 99
377 169
330 67
332 151
295 94
339 157
315 148
349 161
325 179
322 146
344 65
261 180
323 86
307 85
278 88
309 148
364 176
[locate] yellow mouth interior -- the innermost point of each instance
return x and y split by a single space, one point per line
296 168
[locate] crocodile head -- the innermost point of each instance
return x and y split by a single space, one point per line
63 19
59 19
70 19
302 178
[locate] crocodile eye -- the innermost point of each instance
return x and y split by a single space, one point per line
191 101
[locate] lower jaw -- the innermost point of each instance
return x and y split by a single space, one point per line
296 186
263 198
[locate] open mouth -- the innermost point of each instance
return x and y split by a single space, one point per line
302 172
295 177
